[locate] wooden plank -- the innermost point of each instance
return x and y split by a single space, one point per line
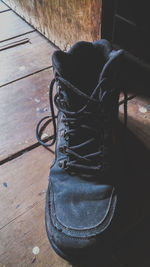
139 118
25 59
12 25
63 22
22 205
3 7
23 182
22 104
22 235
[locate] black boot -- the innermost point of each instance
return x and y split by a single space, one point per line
81 196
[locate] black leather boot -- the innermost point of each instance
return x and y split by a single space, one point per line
81 196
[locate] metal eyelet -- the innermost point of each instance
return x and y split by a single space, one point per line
62 133
66 136
63 117
63 104
62 164
61 97
66 122
62 149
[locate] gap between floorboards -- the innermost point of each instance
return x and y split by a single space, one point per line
23 77
23 151
28 209
16 36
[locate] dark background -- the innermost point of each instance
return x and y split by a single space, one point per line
126 23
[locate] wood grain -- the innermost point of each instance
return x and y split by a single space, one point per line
62 22
25 59
22 205
139 118
3 7
22 104
26 178
12 25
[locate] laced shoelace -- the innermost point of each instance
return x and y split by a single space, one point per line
78 162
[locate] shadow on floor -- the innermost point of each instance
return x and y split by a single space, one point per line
130 238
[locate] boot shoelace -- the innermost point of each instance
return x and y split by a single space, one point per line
78 118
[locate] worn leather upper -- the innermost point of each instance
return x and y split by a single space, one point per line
82 206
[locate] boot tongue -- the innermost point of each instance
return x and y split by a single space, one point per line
81 66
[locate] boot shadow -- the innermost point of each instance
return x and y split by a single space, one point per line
131 235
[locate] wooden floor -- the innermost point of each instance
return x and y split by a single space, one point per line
25 73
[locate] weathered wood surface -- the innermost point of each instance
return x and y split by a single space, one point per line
63 22
3 7
23 184
139 118
25 59
22 105
11 25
